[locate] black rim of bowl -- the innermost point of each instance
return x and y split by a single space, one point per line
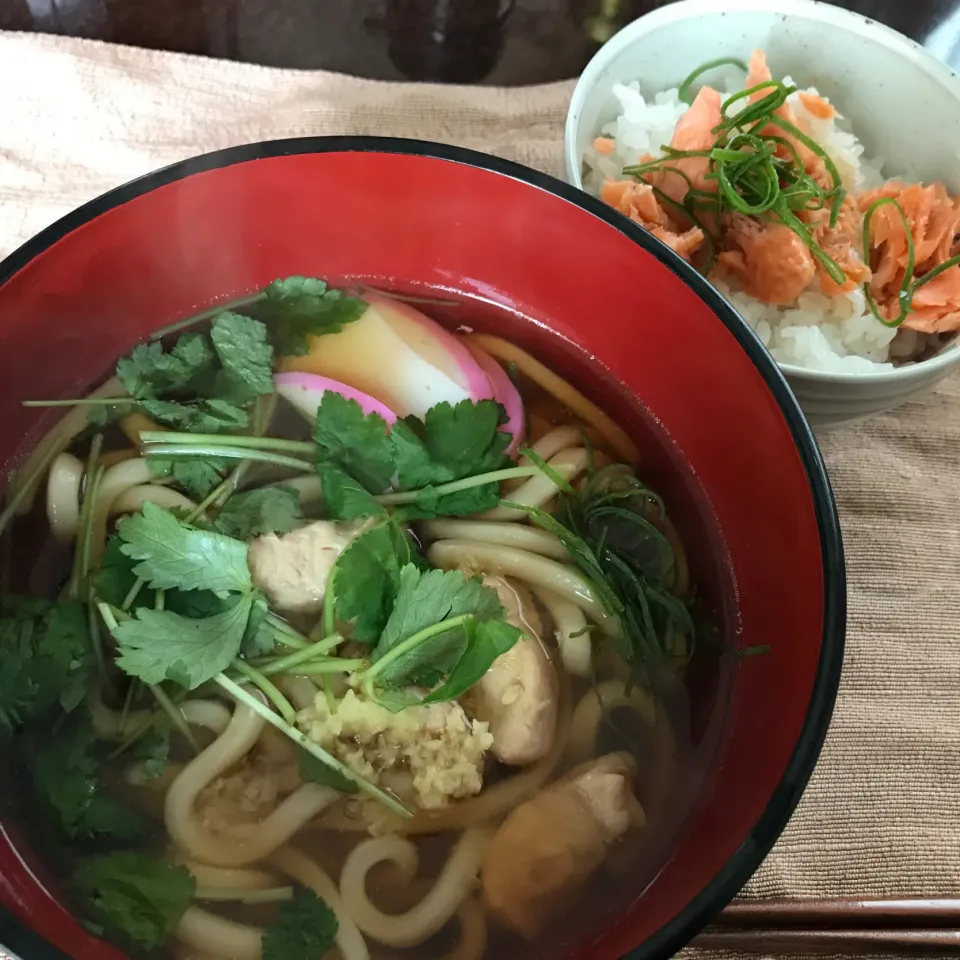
740 867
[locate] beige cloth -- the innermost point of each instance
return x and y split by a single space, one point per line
882 814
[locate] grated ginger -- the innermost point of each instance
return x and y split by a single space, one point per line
440 749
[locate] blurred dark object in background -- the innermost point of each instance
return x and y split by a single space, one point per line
451 41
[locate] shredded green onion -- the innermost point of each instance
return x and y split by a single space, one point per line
752 177
910 283
684 90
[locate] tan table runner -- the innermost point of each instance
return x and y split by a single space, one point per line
882 814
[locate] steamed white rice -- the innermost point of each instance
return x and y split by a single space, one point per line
827 334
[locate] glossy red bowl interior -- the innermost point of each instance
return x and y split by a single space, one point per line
586 290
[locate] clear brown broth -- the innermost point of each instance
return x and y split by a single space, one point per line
673 761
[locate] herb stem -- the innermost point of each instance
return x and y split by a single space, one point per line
323 668
285 633
268 688
207 314
200 439
79 402
82 552
455 486
133 593
228 453
175 714
405 646
286 663
371 789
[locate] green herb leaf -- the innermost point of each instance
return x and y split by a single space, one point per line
140 897
344 497
452 442
160 645
153 749
366 580
355 441
463 503
301 307
267 510
198 478
425 602
427 598
305 929
486 640
64 773
149 372
116 577
242 346
173 554
314 770
198 416
46 657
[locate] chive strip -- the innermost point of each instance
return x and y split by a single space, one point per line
904 296
683 92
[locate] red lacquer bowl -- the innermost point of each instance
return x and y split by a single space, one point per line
603 303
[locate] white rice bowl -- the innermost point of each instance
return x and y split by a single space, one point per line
816 332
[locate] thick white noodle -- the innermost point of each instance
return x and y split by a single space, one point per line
518 535
218 936
455 883
63 496
311 875
540 489
528 567
572 632
601 699
240 845
133 499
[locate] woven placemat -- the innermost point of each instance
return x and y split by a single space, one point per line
882 813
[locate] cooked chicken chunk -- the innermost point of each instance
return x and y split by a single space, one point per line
292 570
518 694
546 850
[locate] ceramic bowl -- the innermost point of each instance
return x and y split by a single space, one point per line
539 262
904 105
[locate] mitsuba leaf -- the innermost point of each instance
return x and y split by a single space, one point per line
174 554
137 896
356 442
160 645
267 510
298 308
305 929
344 497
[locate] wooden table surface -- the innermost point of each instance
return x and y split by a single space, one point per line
467 41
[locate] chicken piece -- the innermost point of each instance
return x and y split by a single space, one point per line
292 570
518 694
547 849
771 262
